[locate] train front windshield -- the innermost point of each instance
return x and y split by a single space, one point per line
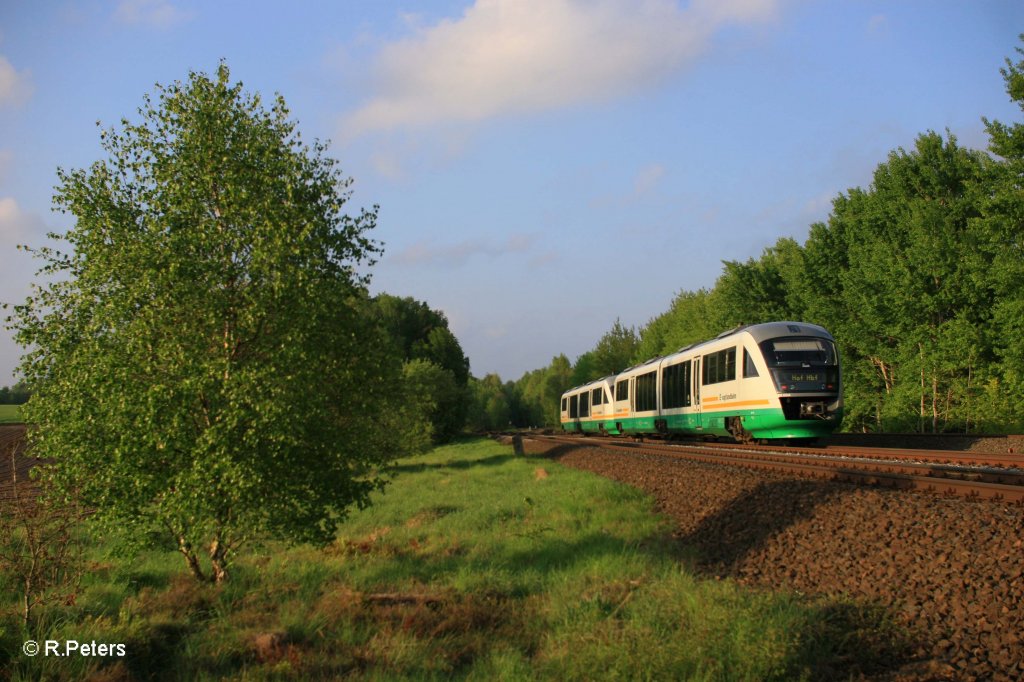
802 364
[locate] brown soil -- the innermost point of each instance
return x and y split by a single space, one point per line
950 569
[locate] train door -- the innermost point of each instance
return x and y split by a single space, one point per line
621 405
697 421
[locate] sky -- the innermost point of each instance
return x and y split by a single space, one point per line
543 167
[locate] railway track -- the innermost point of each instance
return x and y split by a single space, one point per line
981 476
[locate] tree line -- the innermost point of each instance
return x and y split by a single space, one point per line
17 394
920 277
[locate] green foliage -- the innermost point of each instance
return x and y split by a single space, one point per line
615 350
909 293
203 365
613 353
14 395
758 290
419 333
429 389
542 391
490 405
1002 224
688 320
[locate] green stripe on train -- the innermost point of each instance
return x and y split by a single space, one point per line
770 423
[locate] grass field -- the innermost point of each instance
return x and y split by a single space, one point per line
9 414
476 565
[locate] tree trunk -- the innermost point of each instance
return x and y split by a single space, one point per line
218 560
191 560
887 374
26 605
920 421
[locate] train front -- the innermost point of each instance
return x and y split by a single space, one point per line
804 367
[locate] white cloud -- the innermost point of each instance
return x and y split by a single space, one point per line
153 13
518 56
15 87
818 208
647 179
9 221
454 255
17 226
878 25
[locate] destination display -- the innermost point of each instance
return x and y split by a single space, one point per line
814 380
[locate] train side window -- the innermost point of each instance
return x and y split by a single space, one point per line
585 404
720 366
595 397
574 407
749 368
622 390
647 392
675 386
710 363
669 377
565 404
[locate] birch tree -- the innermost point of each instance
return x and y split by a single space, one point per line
202 362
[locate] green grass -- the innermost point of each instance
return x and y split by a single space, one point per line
9 414
475 565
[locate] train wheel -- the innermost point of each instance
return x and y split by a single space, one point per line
735 427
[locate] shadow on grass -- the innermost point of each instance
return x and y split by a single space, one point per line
546 555
413 467
850 639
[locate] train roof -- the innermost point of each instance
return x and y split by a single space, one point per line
767 330
589 383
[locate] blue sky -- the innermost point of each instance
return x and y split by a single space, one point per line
543 167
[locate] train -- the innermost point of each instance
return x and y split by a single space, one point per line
759 382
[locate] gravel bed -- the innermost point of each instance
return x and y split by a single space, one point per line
951 570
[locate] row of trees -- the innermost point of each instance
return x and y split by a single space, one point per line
920 277
17 394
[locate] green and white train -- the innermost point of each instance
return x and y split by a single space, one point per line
775 380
